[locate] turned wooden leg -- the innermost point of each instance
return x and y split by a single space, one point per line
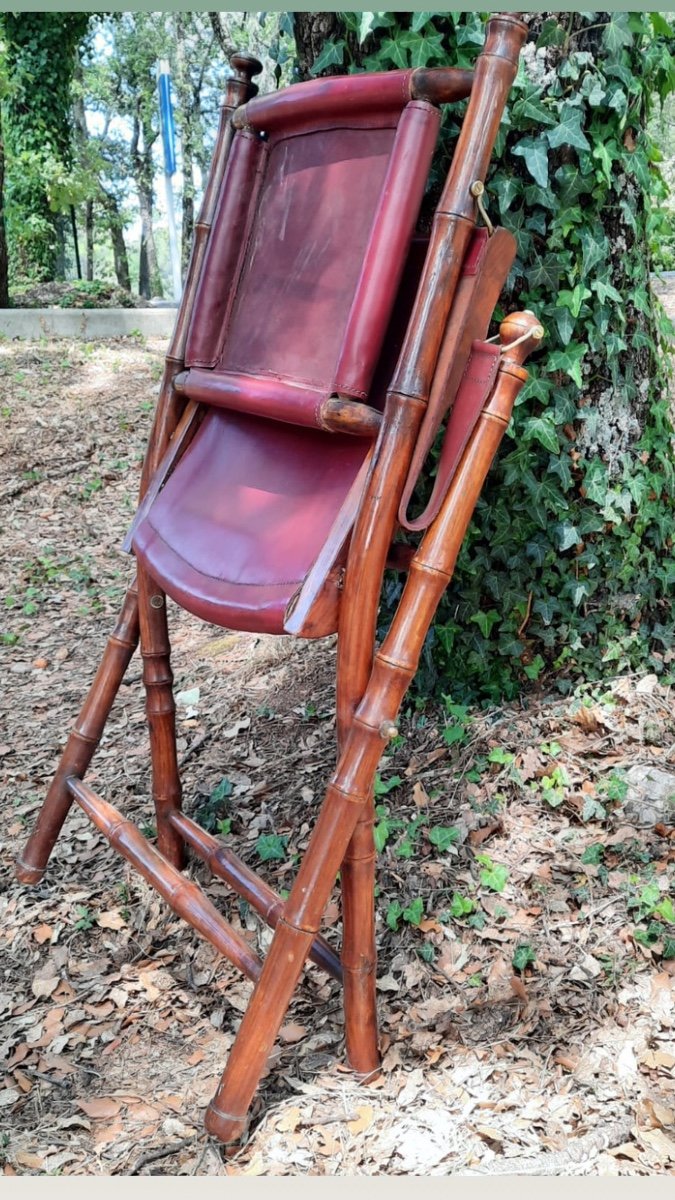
82 742
357 874
161 713
359 949
295 932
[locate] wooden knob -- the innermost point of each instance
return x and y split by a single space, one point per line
388 730
245 66
520 334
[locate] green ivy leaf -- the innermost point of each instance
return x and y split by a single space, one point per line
568 360
567 535
332 55
533 151
523 955
423 48
444 836
414 912
565 324
544 430
617 34
486 620
394 50
461 906
420 19
270 846
568 132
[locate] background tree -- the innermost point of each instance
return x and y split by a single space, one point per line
40 61
570 562
4 256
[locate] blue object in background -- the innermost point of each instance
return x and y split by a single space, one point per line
166 118
169 143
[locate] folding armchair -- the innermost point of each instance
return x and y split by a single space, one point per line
318 349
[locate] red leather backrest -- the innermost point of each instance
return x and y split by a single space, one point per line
300 285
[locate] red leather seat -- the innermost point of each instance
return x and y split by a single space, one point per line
235 530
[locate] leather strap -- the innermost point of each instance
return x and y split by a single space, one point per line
487 264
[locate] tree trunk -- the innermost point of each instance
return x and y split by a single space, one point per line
115 227
89 238
225 44
4 270
311 31
149 278
149 282
189 102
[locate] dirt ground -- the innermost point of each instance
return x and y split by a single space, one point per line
527 969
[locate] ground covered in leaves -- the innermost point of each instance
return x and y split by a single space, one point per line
527 969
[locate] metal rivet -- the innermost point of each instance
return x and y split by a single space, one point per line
156 601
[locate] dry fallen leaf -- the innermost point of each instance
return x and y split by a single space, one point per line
589 719
32 1162
110 920
658 1113
42 933
626 1150
363 1121
149 988
659 1143
292 1033
420 796
657 1059
288 1121
43 986
100 1108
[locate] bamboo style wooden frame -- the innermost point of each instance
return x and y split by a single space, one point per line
370 684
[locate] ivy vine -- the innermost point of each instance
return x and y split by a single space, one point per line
568 566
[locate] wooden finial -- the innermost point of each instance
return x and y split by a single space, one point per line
244 67
520 334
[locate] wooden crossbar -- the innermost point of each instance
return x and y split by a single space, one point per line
185 897
246 883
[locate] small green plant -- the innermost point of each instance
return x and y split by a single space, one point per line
9 639
503 757
553 786
384 787
444 836
650 903
456 732
550 749
271 847
614 788
461 906
413 913
593 810
492 875
593 855
386 825
210 814
85 918
406 846
523 955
